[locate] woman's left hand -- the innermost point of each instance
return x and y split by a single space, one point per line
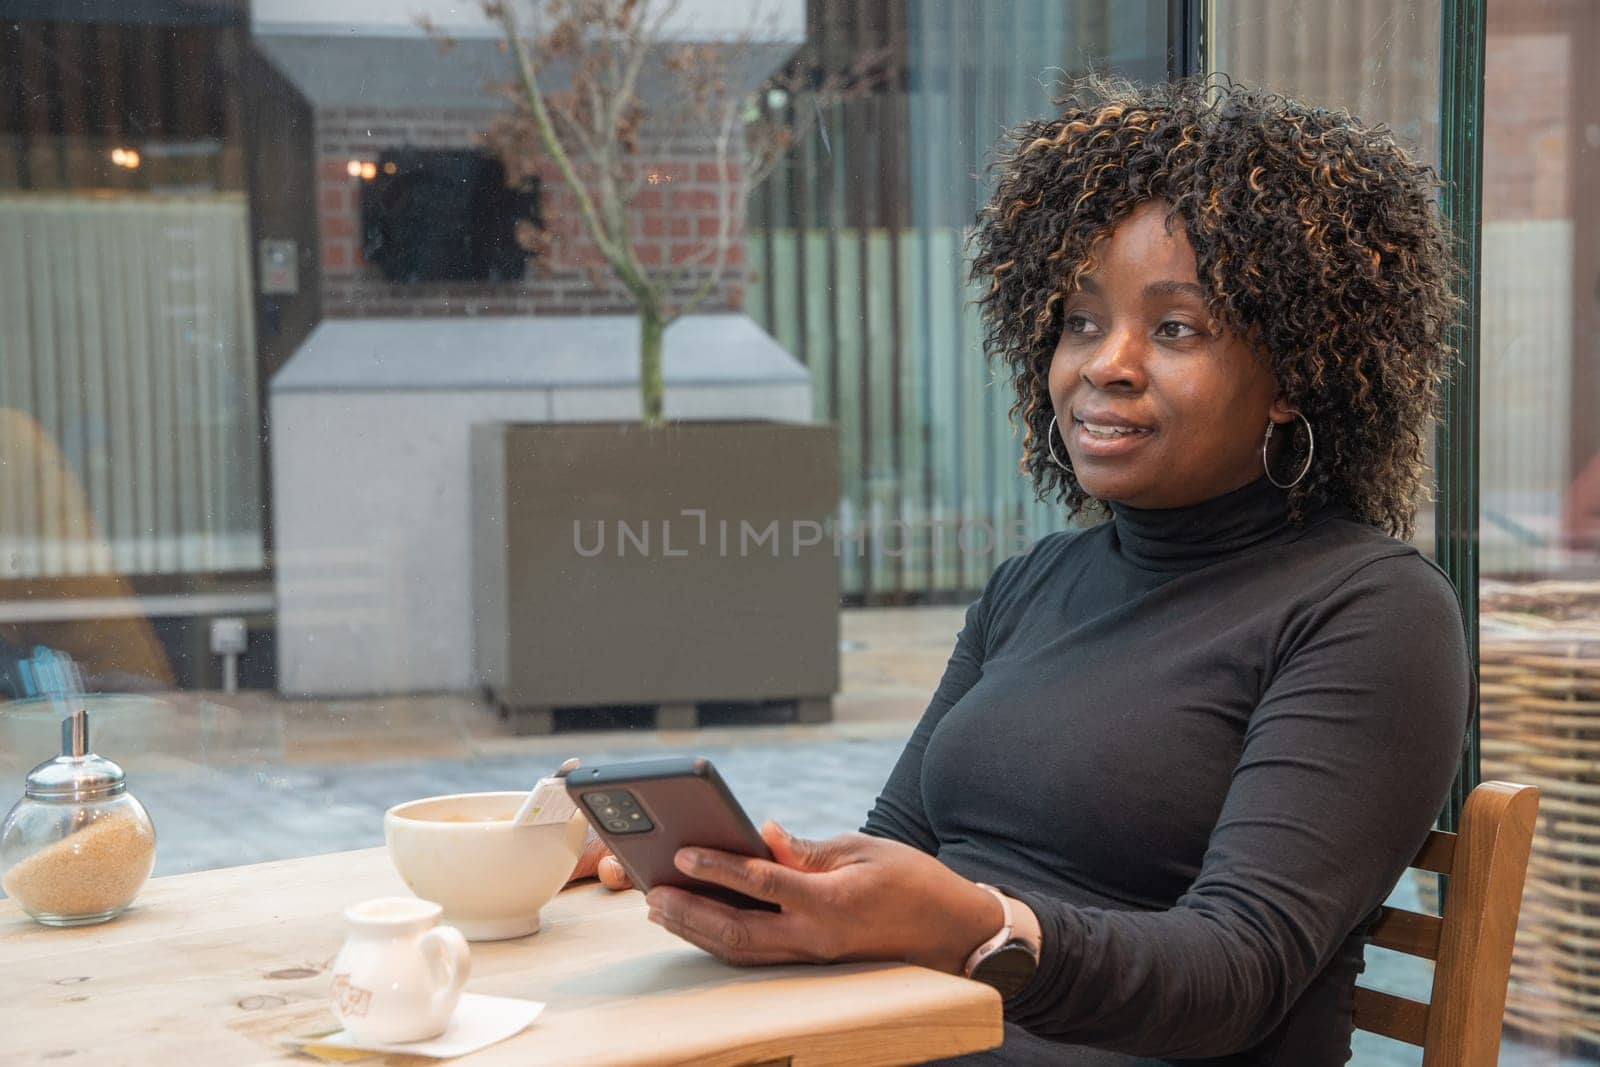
851 897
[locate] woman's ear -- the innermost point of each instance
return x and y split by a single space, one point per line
1282 410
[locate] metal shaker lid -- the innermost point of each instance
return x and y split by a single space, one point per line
77 773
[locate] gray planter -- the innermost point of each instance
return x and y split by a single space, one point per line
597 581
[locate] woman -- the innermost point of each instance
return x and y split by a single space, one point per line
1194 747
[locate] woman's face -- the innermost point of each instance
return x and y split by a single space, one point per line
1159 406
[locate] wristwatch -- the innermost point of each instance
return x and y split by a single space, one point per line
1009 959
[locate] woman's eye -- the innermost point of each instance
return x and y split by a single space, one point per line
1078 324
1172 330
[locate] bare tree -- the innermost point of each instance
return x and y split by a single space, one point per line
590 129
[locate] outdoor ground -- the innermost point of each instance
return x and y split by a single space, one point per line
250 777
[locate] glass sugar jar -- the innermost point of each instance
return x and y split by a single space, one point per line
78 847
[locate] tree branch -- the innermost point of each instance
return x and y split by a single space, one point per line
528 75
567 113
640 42
612 242
740 194
603 118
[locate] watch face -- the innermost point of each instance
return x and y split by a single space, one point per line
1008 969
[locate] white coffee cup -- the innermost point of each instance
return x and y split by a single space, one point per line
399 975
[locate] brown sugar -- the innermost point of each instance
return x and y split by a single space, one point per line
96 869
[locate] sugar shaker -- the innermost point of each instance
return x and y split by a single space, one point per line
78 847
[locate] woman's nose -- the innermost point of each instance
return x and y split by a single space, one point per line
1117 361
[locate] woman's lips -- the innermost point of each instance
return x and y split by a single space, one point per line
1117 444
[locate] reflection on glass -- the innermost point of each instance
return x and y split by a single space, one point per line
1379 59
858 242
1540 559
236 481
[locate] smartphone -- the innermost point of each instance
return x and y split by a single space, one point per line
647 810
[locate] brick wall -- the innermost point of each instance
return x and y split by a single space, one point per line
1527 126
672 221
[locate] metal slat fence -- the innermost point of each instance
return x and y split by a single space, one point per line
858 241
922 516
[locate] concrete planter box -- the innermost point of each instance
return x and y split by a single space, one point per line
371 427
614 564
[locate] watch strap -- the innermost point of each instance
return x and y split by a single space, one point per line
993 945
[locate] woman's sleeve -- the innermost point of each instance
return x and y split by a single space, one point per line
1346 763
898 813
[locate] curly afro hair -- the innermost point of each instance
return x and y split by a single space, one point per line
1316 238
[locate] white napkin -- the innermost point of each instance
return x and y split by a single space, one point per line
478 1022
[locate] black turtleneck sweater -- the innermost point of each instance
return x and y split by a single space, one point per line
1202 745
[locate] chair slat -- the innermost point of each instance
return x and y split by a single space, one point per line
1408 932
1438 853
1398 1017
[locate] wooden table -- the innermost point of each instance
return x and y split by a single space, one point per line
214 968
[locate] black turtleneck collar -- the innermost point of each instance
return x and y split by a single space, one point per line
1186 538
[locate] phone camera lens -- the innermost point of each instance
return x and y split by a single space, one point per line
617 825
610 812
625 801
597 800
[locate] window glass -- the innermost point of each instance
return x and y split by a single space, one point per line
296 313
322 479
1539 599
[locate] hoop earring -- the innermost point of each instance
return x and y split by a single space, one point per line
1050 436
1311 450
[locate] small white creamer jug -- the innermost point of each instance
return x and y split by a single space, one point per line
399 975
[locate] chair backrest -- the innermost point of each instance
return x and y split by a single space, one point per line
1470 943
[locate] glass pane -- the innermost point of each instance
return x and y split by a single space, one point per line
928 489
131 441
1377 58
1540 478
268 269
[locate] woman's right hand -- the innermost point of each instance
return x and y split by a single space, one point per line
597 861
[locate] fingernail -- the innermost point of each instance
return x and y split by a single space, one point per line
687 859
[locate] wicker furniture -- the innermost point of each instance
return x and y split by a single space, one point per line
1540 724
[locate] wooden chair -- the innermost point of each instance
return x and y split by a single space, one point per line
1471 943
